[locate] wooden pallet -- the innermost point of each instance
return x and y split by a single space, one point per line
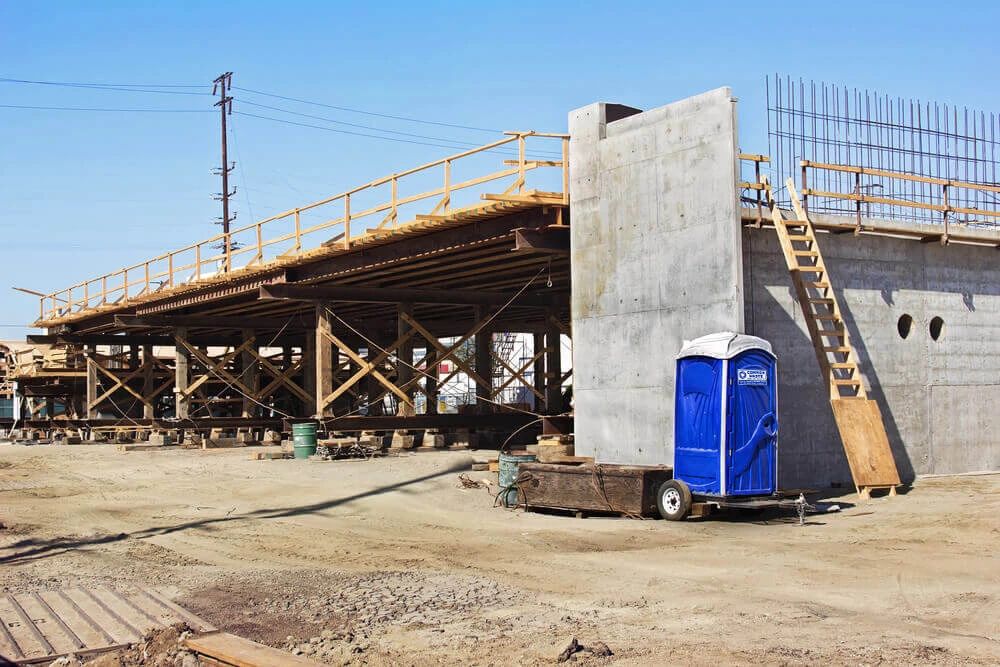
37 628
858 419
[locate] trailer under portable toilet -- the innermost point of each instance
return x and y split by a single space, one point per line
725 422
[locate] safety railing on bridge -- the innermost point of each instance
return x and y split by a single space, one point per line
877 194
300 232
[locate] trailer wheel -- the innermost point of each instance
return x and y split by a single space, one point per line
674 500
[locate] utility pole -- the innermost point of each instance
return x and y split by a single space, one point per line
225 105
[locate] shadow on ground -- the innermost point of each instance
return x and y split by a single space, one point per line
32 549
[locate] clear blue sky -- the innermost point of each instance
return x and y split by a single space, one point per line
85 193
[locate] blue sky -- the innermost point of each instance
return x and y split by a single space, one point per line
85 193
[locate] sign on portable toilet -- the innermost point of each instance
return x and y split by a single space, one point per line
726 416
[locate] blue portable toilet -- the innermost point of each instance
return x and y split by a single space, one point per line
725 419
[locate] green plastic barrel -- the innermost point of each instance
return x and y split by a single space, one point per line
509 464
304 439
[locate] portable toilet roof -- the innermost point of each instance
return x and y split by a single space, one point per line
723 345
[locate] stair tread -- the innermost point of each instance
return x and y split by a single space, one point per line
820 300
846 383
840 349
844 364
801 237
810 269
805 253
826 317
816 285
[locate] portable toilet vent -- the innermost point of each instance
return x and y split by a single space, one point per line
725 416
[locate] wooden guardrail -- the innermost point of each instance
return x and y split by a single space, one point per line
944 196
288 236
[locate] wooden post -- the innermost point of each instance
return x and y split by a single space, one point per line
538 372
553 370
91 383
484 361
404 355
182 375
431 382
148 381
309 373
324 360
250 376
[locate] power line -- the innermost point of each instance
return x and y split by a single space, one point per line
452 146
358 125
368 113
47 108
331 129
125 87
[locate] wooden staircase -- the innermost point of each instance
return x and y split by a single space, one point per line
858 418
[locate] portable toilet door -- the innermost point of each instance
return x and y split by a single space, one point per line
752 424
725 416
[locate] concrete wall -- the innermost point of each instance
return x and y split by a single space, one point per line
938 398
656 259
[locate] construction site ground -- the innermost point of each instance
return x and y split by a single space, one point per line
394 561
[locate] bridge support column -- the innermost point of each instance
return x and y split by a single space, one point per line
404 353
553 369
182 374
538 369
325 360
484 362
91 383
148 381
250 375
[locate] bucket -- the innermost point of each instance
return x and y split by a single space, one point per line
304 439
509 464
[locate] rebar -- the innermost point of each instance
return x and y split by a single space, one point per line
835 124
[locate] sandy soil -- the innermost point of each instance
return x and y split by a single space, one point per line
391 561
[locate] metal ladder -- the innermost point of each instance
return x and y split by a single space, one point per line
858 418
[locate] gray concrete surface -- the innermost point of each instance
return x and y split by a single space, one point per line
938 398
656 259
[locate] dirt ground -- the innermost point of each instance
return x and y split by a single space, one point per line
392 561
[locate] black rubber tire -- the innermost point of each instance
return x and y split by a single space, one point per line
673 500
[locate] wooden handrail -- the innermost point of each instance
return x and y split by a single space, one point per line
172 275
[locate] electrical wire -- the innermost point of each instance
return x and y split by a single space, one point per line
125 88
51 108
357 134
368 113
357 125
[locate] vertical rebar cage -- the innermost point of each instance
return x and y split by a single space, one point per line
949 150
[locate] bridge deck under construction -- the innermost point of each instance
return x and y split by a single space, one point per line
313 313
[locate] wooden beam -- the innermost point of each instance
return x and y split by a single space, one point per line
182 374
91 388
358 294
294 323
250 373
553 239
324 360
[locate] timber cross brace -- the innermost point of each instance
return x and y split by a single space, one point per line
343 370
255 391
144 383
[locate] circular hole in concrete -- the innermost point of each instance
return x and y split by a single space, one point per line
937 328
904 324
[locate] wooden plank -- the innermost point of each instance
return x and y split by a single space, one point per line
865 442
194 622
232 650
